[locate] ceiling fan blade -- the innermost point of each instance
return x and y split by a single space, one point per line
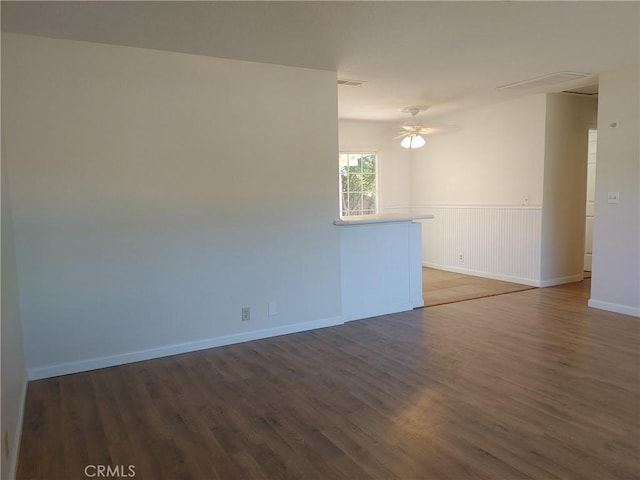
419 129
413 128
427 130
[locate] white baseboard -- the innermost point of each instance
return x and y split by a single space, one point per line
17 437
418 304
561 280
176 349
614 307
124 358
377 311
476 273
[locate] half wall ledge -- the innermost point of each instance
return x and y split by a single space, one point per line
381 264
379 218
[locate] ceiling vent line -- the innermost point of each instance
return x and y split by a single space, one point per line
545 81
588 90
583 94
350 83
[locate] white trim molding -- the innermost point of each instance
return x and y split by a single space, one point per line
365 313
176 349
561 280
614 307
465 271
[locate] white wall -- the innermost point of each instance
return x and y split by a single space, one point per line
492 155
507 187
155 194
616 236
14 374
393 160
476 179
568 120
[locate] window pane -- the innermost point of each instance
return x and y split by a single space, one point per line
344 183
368 202
355 182
355 202
354 162
369 164
357 178
368 182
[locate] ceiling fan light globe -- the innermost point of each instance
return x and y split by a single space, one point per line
417 141
406 142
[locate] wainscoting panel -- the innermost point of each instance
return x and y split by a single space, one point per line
501 242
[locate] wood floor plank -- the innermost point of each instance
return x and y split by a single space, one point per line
74 434
527 385
440 287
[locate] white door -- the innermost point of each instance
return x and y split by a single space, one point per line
591 198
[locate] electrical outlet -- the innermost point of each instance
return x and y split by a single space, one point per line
246 314
461 257
5 444
272 308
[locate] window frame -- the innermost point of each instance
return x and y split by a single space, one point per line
361 152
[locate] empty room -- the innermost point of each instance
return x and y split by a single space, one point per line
320 240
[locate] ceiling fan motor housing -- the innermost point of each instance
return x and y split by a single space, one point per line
414 109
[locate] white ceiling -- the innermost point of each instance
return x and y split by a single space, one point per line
448 55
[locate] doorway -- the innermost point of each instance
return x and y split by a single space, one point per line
591 198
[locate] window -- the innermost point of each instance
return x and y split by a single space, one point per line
358 190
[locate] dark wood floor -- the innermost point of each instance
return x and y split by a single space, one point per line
525 385
440 287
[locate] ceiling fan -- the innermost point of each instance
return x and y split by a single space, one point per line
412 132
